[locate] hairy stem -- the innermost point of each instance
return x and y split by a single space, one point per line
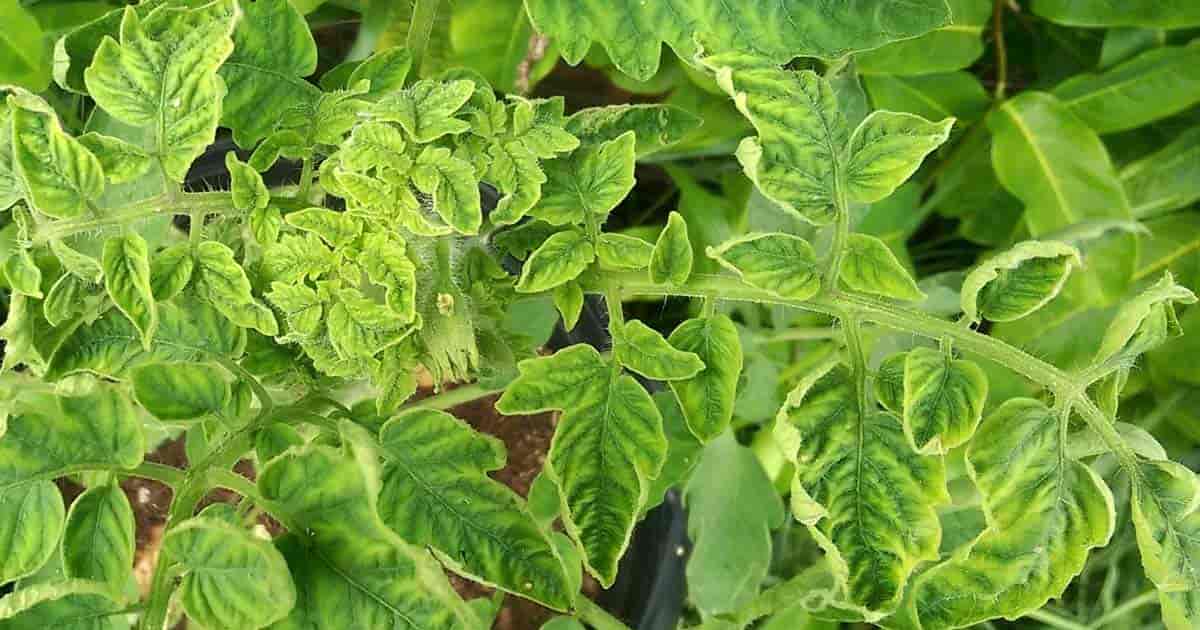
306 180
424 16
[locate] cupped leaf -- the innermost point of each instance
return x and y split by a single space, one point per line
56 434
869 266
163 76
436 492
1018 281
346 564
783 264
801 133
246 185
223 281
618 251
607 447
231 579
31 521
66 604
732 547
23 274
180 391
11 188
273 52
171 271
126 264
642 349
656 126
1044 513
336 228
1058 167
98 542
1166 518
632 33
359 327
59 176
1144 322
561 258
886 149
707 398
1149 87
426 109
387 264
943 400
671 260
589 182
452 185
889 382
1147 13
868 499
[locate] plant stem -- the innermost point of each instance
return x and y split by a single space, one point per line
419 30
166 475
180 203
596 617
306 180
1056 621
841 234
1149 597
799 334
452 398
1001 50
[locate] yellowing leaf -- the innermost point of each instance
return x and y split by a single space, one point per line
886 149
426 109
223 281
59 175
618 251
561 258
246 185
943 400
642 349
871 267
180 391
783 264
98 542
1018 281
589 182
1166 517
126 267
707 398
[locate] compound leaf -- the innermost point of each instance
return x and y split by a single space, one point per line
870 266
273 51
561 258
58 174
126 264
943 400
180 391
707 398
232 579
336 228
1018 281
98 542
642 349
783 264
223 281
436 492
886 149
31 521
163 76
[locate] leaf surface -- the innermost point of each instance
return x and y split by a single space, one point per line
1166 518
560 258
871 267
31 521
943 400
783 264
126 264
1147 13
223 281
642 349
98 542
671 260
1018 281
886 149
59 175
180 391
707 398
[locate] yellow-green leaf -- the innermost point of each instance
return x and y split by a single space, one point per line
671 260
707 398
1018 281
869 266
126 265
561 258
642 349
943 400
886 149
783 264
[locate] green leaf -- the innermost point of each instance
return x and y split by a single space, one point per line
111 346
23 274
452 184
98 542
223 281
1044 513
1148 13
163 76
436 492
953 46
426 109
561 258
180 391
265 224
58 434
60 176
671 260
359 327
11 188
589 182
931 96
65 604
886 149
121 161
232 579
386 70
336 228
943 400
1167 179
889 382
1018 281
1144 322
171 271
801 133
619 251
783 264
296 257
387 265
22 53
655 126
68 297
707 398
607 447
245 184
345 563
683 450
870 267
642 349
1149 87
126 267
31 521
732 547
568 299
1058 167
866 497
632 33
273 52
1167 522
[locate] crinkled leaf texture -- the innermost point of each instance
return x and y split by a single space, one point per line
632 32
1044 513
607 447
866 496
1166 517
346 564
1018 281
58 175
436 492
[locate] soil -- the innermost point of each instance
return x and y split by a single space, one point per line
527 439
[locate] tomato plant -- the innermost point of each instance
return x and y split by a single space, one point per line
893 291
